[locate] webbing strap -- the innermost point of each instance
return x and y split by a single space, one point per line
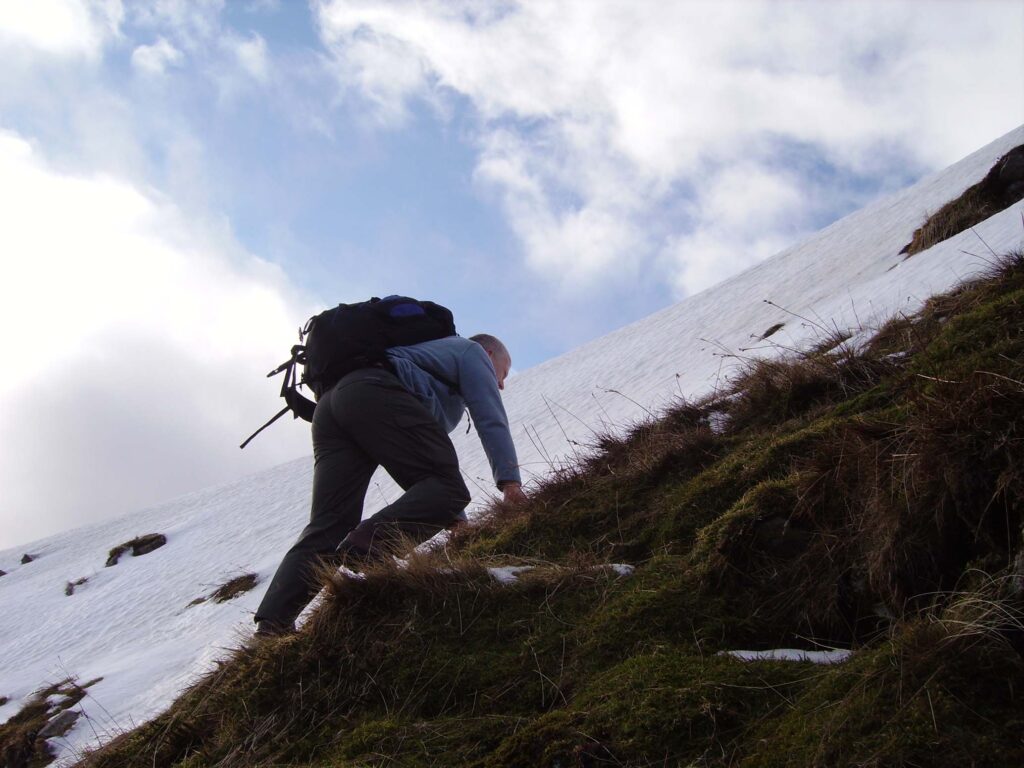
288 367
280 413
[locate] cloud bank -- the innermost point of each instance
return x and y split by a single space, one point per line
136 343
65 28
649 134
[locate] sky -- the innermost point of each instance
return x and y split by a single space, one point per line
184 182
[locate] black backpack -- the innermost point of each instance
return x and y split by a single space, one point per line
348 337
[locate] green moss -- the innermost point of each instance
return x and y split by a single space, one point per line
988 338
923 699
731 539
671 707
877 398
464 740
683 509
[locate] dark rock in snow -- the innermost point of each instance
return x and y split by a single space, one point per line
70 588
26 558
141 545
1011 169
146 544
59 725
1006 179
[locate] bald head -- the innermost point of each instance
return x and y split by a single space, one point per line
491 344
498 353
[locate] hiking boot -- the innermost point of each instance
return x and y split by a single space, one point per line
265 628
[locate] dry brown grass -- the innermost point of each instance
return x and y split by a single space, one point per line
977 203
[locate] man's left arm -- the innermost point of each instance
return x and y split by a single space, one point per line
479 389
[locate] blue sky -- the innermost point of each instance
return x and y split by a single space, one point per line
187 180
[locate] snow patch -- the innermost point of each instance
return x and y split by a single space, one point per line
622 569
833 656
509 574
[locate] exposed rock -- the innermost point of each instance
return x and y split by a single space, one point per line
141 545
26 558
1011 169
60 724
3 573
70 588
1008 184
773 330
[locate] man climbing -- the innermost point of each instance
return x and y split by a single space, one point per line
397 415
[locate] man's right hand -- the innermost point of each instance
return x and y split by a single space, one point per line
513 493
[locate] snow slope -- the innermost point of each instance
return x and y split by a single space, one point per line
131 625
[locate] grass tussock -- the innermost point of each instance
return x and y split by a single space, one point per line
1002 186
230 589
864 497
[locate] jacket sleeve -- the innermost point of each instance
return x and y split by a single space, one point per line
479 388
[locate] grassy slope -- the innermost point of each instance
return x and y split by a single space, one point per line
868 500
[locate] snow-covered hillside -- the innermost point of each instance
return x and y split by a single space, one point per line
132 624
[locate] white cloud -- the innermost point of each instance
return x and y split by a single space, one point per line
573 243
136 344
385 71
156 58
192 24
196 28
250 53
596 117
59 27
742 217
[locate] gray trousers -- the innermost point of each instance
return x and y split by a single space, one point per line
368 420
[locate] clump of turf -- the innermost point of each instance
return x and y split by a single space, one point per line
230 589
140 545
1002 186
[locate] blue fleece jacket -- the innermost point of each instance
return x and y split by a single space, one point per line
429 368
